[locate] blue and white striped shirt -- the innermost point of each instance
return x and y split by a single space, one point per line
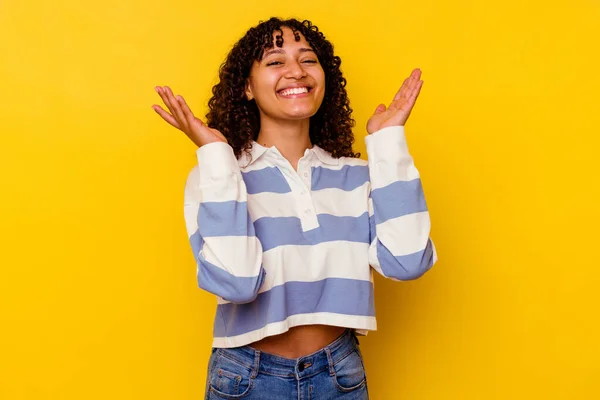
281 247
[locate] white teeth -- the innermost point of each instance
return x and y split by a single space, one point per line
288 92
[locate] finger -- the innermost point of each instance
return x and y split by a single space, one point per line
380 108
402 90
162 92
409 103
166 116
412 82
402 95
187 113
416 91
408 98
163 95
176 107
408 85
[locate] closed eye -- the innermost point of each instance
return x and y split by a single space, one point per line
310 61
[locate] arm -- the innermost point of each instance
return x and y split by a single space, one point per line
227 252
221 233
401 248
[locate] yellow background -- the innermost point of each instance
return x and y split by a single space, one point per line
98 298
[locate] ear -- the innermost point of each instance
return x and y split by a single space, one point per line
249 94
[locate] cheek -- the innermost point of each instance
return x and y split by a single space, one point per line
263 87
320 78
320 75
323 87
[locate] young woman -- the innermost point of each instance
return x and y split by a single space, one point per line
285 221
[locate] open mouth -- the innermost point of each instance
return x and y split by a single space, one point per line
296 91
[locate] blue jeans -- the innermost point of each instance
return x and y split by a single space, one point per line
334 372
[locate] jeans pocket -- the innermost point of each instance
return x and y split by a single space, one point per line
350 372
229 379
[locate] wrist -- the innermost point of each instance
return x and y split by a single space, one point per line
216 161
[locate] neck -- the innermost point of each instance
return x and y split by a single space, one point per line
291 138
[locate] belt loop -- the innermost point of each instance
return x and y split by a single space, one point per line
256 365
330 361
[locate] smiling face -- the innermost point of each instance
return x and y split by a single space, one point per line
288 83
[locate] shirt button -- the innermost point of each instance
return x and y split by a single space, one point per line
302 193
307 211
306 174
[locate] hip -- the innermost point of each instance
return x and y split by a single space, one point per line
332 372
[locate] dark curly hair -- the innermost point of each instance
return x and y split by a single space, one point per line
238 118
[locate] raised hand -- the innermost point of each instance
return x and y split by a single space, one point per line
399 109
182 118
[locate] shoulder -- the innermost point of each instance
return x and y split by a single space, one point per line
337 163
352 162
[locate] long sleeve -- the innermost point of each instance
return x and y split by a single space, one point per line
221 233
400 248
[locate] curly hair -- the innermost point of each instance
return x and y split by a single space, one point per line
238 118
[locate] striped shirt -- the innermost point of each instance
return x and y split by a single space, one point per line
281 247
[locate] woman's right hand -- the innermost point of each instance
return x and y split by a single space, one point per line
182 118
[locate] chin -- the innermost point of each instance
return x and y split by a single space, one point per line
300 113
299 117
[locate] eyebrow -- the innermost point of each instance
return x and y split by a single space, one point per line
281 51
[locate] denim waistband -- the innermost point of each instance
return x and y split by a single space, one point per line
305 366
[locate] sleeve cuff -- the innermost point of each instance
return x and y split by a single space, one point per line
216 161
387 143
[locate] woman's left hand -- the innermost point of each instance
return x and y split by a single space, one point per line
399 109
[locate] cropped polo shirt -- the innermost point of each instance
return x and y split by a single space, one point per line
281 247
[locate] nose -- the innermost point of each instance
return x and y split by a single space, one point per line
295 70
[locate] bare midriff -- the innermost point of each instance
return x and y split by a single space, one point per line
299 341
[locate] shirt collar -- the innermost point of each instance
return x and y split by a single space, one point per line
258 151
324 156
